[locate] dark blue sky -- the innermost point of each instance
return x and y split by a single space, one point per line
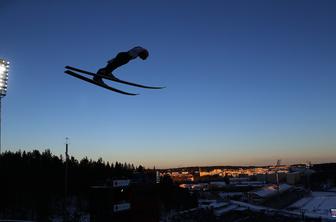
248 82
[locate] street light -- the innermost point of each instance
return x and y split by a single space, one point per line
4 68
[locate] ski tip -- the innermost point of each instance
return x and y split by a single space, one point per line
157 87
130 94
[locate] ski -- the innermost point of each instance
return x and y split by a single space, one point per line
113 78
98 83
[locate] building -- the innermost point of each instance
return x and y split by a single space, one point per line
261 195
261 177
275 178
217 184
293 178
110 201
126 200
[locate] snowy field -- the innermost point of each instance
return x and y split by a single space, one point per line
319 204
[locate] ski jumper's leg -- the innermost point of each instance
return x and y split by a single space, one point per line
121 59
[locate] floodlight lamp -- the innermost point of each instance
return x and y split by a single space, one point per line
4 67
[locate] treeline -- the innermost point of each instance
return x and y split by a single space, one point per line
37 179
32 186
324 176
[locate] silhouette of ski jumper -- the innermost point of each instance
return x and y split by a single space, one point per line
122 58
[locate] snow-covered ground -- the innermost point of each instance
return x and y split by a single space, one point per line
319 203
333 189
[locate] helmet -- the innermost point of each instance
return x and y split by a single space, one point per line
144 54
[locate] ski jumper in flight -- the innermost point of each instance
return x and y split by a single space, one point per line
121 59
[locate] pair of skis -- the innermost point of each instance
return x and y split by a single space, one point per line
71 72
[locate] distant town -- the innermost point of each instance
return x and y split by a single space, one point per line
300 192
251 172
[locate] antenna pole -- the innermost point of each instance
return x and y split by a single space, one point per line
0 122
66 178
66 166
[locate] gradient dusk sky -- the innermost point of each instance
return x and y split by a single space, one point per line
248 82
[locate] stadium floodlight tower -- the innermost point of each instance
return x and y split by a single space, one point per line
4 68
